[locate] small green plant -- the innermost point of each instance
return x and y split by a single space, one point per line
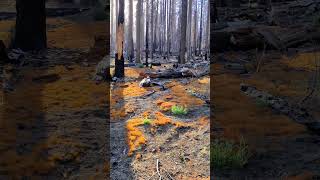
147 121
225 154
179 110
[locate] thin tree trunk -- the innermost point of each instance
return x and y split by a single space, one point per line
138 32
152 29
168 28
155 39
208 32
183 32
119 62
130 31
189 38
201 27
30 25
195 27
147 32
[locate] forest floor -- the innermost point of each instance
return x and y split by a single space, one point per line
53 121
279 147
147 140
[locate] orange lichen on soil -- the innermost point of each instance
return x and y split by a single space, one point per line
128 90
135 135
203 121
166 106
181 96
161 119
133 72
306 61
239 115
70 34
205 80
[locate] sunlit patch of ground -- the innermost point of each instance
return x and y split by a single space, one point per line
41 118
180 95
136 137
74 90
306 61
6 29
74 35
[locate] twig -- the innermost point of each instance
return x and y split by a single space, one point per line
158 170
149 94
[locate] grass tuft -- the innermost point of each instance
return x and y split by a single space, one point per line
179 110
147 121
226 154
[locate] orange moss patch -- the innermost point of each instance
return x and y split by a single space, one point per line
74 35
161 120
133 72
182 97
304 60
204 80
204 121
166 106
73 91
135 135
117 114
303 176
35 162
128 90
240 116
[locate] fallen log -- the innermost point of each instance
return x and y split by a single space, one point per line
298 114
177 73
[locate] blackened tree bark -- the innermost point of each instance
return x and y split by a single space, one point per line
30 25
119 59
183 32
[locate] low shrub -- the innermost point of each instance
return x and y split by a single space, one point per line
179 110
225 154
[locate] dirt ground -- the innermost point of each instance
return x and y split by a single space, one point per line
280 147
53 124
177 145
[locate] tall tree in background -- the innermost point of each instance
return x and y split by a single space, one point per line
119 61
147 32
183 32
168 27
195 27
189 30
130 31
152 28
208 31
30 25
138 32
172 22
201 27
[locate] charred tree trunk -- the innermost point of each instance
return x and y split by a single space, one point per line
138 32
183 32
30 25
130 31
147 32
119 59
